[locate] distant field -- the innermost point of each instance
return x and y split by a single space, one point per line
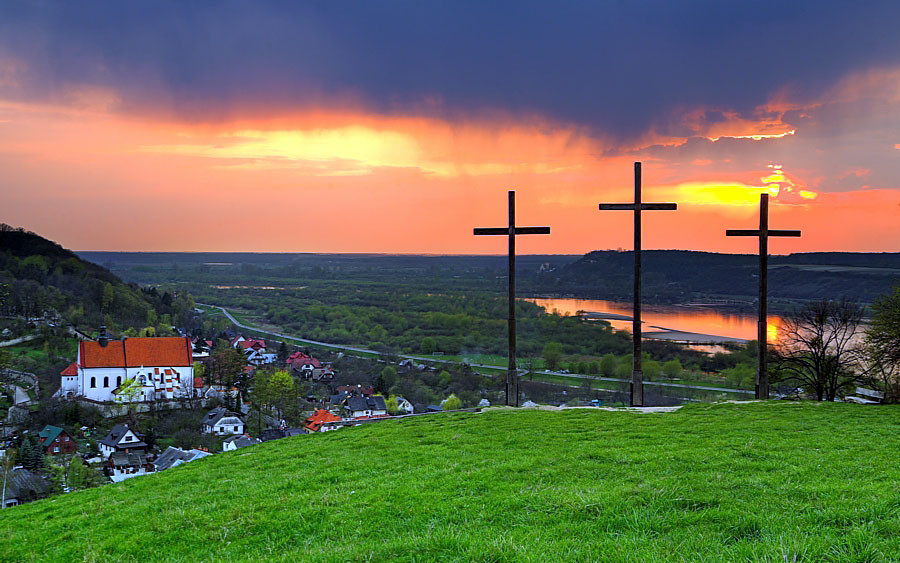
770 482
838 269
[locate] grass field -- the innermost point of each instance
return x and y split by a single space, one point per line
730 482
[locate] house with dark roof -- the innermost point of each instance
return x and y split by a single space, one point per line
121 439
24 486
309 367
173 457
237 442
271 434
102 367
222 422
366 391
339 399
365 407
55 441
125 465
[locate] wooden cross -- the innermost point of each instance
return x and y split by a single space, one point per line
512 380
637 376
764 232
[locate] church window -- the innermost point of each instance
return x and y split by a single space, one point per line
93 382
106 382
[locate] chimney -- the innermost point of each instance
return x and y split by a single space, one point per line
104 337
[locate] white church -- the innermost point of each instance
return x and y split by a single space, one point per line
162 366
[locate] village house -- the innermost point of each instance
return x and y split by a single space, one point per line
159 365
322 421
365 407
357 390
237 442
125 465
200 348
309 367
404 406
174 457
121 439
24 486
55 441
222 422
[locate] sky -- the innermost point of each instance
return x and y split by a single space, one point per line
398 126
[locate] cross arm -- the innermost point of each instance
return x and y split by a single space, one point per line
505 230
644 206
755 233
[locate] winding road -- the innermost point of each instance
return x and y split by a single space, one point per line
482 366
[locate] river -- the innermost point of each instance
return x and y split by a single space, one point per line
690 319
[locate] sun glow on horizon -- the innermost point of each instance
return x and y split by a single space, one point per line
326 181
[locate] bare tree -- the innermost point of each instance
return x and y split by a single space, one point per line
7 465
185 392
820 346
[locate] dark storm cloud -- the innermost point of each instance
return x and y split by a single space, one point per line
614 67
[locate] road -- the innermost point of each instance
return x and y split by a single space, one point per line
482 366
19 340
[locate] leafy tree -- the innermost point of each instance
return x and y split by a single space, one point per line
818 347
882 345
884 330
56 475
451 403
283 352
386 380
78 475
392 405
444 378
608 365
651 370
552 355
276 389
741 375
673 368
130 391
224 366
31 454
108 296
428 345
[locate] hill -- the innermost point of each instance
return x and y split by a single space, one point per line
771 481
39 277
681 275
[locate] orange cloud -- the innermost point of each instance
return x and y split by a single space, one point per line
331 181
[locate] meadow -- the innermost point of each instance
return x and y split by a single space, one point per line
773 481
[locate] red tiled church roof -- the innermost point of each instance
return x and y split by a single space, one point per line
136 352
72 369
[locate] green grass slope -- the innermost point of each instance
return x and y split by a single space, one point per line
750 482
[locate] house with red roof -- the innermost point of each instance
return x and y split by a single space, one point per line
254 349
162 368
309 368
322 421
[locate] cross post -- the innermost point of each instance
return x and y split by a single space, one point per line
637 375
762 340
512 379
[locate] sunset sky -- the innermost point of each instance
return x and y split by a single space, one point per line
398 126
